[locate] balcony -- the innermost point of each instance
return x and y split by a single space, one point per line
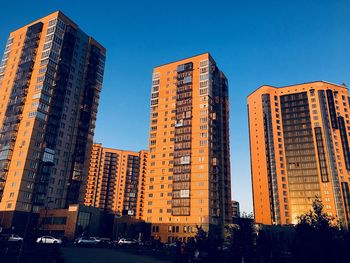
3 176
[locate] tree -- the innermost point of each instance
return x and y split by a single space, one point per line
316 218
314 234
241 238
201 238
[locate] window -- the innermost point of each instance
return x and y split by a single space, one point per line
31 174
203 63
52 22
33 164
83 219
59 220
50 30
204 76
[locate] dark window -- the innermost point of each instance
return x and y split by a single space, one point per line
321 155
344 141
331 107
83 219
346 199
59 220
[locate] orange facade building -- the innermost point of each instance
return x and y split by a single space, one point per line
50 79
188 180
116 182
299 144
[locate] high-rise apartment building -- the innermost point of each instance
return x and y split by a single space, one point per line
116 180
299 144
188 180
50 80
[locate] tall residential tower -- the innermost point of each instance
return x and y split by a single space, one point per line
50 80
116 181
299 144
188 180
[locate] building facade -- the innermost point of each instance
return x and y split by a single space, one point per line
188 180
116 181
235 209
50 80
299 144
71 222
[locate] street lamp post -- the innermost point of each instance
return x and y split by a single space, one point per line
26 230
45 218
116 217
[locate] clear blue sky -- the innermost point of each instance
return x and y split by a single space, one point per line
253 42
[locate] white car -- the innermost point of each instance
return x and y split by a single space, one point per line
48 240
15 238
127 241
87 241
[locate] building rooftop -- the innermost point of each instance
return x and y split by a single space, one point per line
293 85
184 59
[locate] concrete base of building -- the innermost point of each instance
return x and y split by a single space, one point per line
76 220
170 232
16 221
128 226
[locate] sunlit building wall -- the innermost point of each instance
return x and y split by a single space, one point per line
116 181
51 76
299 145
188 180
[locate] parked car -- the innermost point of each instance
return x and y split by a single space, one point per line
15 238
127 241
170 245
48 240
87 241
